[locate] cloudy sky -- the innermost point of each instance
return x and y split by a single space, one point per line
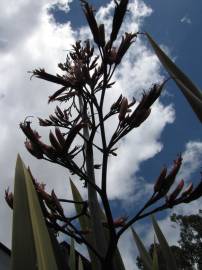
37 34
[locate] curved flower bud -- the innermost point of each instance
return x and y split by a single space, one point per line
160 180
171 198
9 198
123 109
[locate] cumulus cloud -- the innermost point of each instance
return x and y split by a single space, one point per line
191 159
31 38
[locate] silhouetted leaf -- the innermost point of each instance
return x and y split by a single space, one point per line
72 258
190 91
33 233
146 258
167 253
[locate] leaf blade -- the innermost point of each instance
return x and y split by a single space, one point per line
41 239
188 88
167 253
23 250
146 259
72 257
155 265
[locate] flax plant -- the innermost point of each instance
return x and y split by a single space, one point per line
84 80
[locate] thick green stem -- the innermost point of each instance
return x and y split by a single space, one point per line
94 207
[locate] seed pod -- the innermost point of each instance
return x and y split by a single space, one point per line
123 109
160 180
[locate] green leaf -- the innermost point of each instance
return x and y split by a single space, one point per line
167 253
80 264
86 225
72 257
23 251
84 222
146 258
32 222
155 265
190 91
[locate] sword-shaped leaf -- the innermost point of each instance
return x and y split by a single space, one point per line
85 226
80 264
72 257
167 253
84 222
144 255
190 91
23 254
155 265
39 240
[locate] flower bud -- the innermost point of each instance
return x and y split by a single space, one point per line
60 136
176 192
160 180
9 198
187 191
195 194
119 222
123 109
54 142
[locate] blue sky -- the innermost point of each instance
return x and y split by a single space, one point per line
31 38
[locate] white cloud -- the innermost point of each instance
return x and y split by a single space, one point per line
186 20
191 160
